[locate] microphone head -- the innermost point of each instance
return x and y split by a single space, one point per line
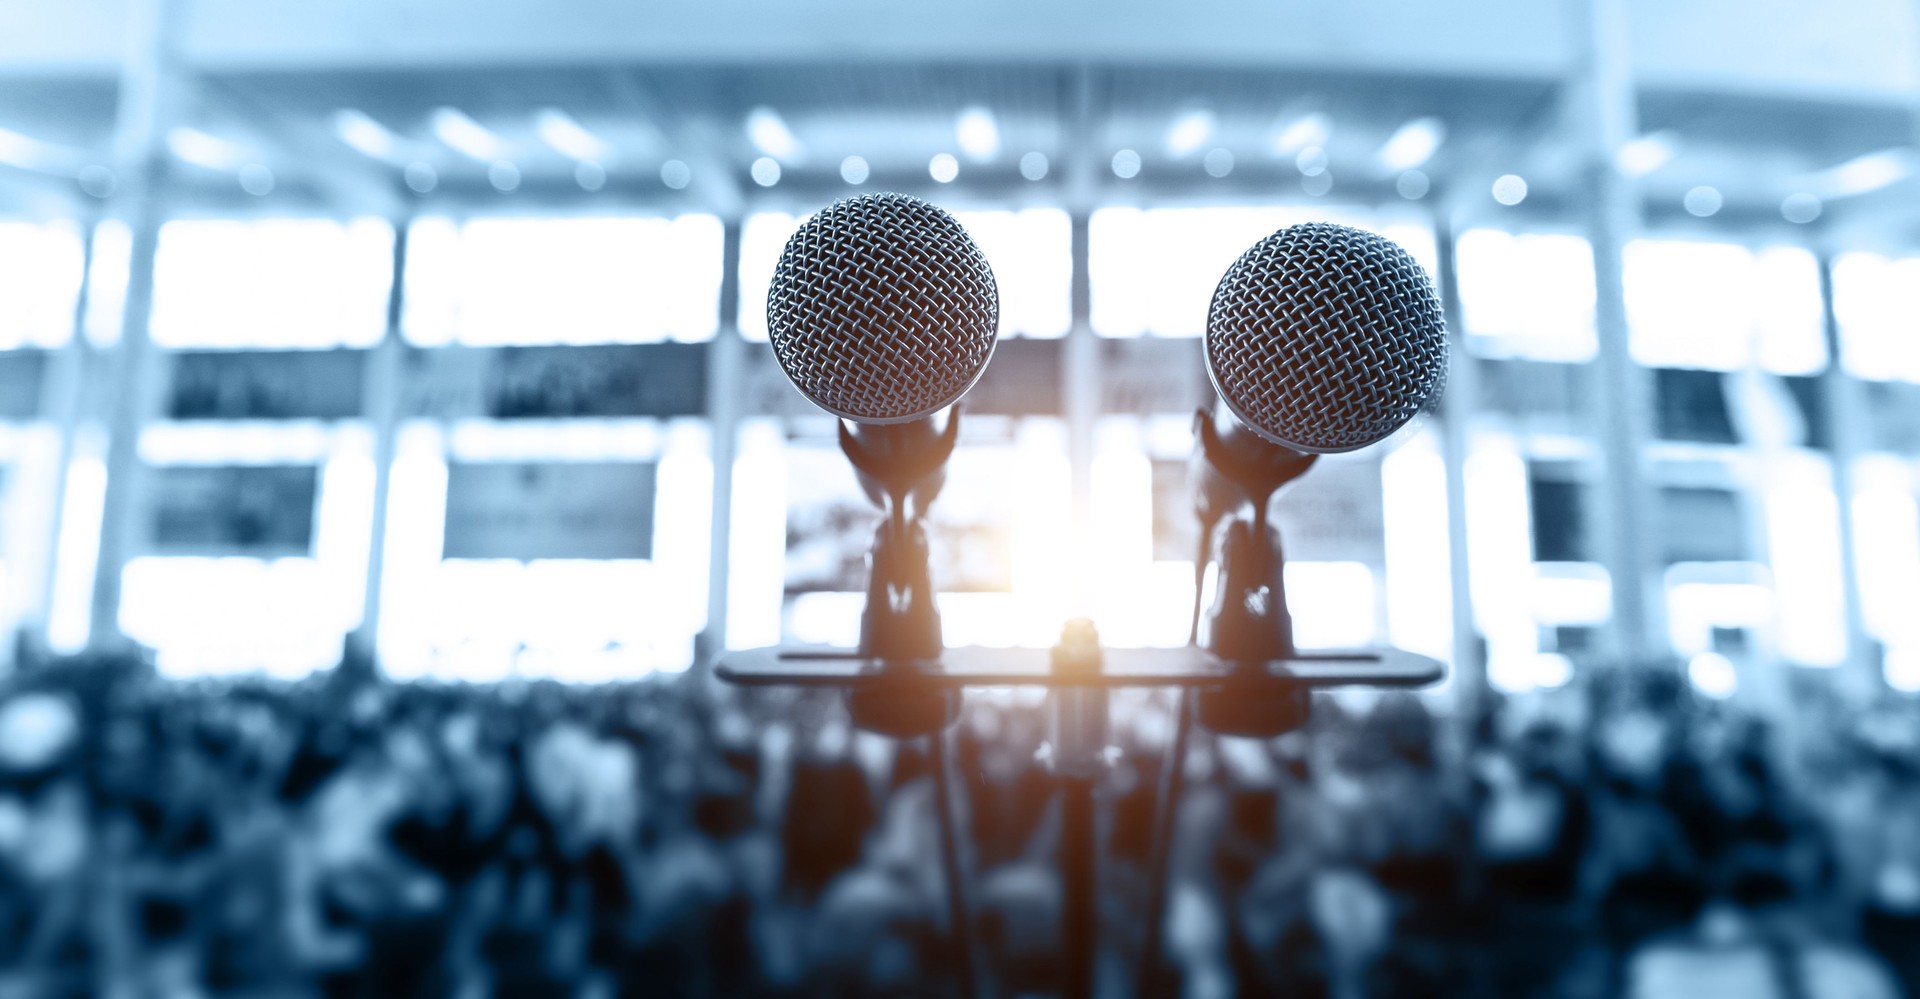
882 309
1324 338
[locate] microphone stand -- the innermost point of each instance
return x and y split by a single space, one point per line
902 467
1244 677
1246 627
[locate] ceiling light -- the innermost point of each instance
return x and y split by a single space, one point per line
1800 208
1033 166
1189 132
1864 174
422 178
357 129
1510 189
462 133
1644 155
943 168
1218 162
765 171
1412 144
29 153
569 138
769 133
1312 161
1295 134
210 151
978 135
1702 201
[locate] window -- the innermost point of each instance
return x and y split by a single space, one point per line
1877 315
1031 253
1724 307
762 238
474 593
1527 295
310 283
40 269
1154 271
525 281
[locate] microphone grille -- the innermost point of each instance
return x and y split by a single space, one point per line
882 309
1325 338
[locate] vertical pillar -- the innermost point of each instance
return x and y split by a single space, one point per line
382 389
1846 418
1457 408
1080 354
63 391
149 91
1605 105
725 358
1080 398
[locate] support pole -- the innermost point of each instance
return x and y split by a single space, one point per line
149 93
1845 412
726 357
1167 794
64 402
1605 105
1457 408
961 923
1080 355
1078 744
383 384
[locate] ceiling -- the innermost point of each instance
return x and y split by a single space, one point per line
1493 82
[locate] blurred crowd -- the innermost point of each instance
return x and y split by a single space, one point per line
345 836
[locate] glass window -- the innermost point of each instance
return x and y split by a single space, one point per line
762 237
271 283
541 611
1031 253
1527 295
40 269
1878 315
1723 306
525 281
1153 271
259 548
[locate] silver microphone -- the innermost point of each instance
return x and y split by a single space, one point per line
1323 338
882 310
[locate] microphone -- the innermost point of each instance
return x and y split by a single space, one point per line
883 312
1320 339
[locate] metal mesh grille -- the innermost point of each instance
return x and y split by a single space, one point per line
882 309
1326 338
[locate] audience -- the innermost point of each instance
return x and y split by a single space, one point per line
343 836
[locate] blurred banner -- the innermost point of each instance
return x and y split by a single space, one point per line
1703 524
22 372
1141 376
263 511
560 510
266 385
508 383
1335 514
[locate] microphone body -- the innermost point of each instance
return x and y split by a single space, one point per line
1320 339
883 312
